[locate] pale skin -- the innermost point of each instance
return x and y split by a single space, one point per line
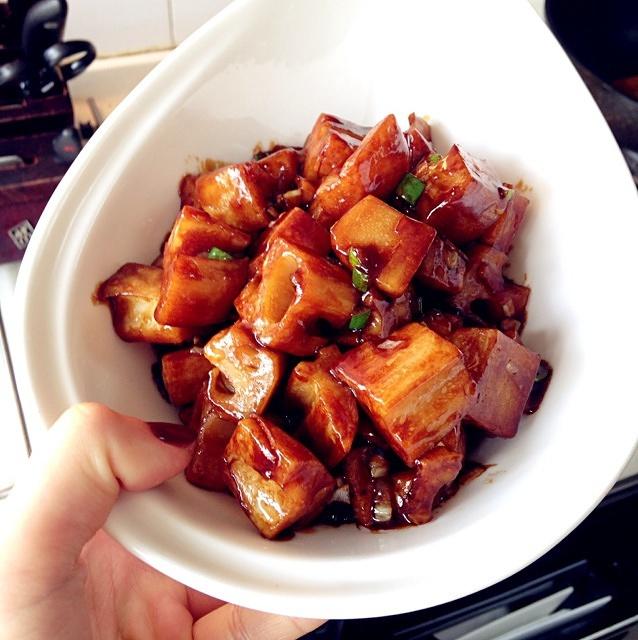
64 578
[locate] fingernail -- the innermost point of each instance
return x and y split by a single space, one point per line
175 434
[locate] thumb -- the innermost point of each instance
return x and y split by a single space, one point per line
72 482
231 621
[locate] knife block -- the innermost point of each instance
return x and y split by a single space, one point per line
29 167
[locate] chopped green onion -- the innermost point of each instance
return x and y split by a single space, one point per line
353 258
433 158
410 188
358 320
359 279
219 254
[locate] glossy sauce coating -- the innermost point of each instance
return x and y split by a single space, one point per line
276 479
245 373
413 385
462 197
374 168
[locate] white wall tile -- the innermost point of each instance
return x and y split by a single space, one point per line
120 26
539 6
190 14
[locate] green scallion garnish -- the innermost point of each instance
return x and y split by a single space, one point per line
433 158
218 254
353 258
410 188
358 320
359 279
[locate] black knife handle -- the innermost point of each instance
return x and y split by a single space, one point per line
12 72
42 27
57 53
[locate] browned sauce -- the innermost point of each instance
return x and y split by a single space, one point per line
541 383
471 471
336 514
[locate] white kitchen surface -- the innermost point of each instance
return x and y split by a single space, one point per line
107 82
121 26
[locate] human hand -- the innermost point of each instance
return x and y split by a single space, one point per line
64 578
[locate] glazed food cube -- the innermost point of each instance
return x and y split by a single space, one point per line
443 323
483 278
367 472
297 197
132 293
254 270
159 259
281 166
419 140
197 291
511 328
502 233
504 371
486 293
300 229
207 468
375 168
246 374
183 373
294 295
368 433
455 440
461 198
237 194
187 190
329 409
386 316
277 481
330 143
385 244
417 491
306 188
510 302
195 232
413 385
185 414
443 267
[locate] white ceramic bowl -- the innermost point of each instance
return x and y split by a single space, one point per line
492 78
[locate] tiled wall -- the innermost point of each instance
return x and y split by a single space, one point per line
129 26
187 15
